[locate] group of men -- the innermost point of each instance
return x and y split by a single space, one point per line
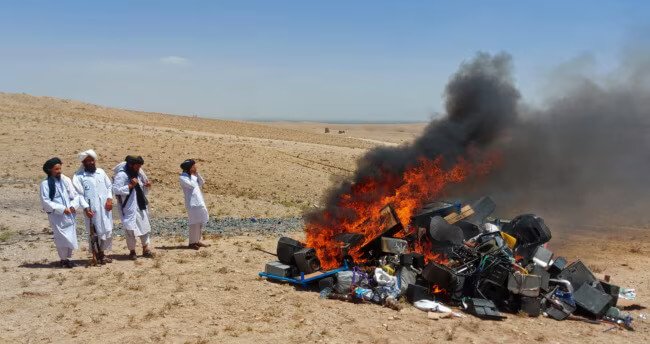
92 191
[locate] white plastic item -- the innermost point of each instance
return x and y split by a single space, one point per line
431 306
491 228
383 278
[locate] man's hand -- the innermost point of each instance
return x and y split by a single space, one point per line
133 183
109 204
67 211
147 184
89 213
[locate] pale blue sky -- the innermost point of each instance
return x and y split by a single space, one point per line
298 60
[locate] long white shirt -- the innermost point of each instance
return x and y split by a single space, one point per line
63 225
194 202
133 219
96 188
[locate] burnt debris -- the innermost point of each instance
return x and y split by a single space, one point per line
456 255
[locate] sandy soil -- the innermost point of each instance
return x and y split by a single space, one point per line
388 134
252 169
215 295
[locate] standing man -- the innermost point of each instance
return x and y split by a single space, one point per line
95 187
191 183
60 201
132 188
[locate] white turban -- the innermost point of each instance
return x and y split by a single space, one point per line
88 153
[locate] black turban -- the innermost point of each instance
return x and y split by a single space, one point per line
187 164
47 166
134 160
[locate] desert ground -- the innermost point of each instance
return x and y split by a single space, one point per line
214 295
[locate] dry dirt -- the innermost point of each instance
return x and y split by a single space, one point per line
214 295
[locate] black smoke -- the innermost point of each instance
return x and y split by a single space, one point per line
480 100
583 157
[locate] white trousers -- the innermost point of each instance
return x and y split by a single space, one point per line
64 252
130 239
195 232
104 245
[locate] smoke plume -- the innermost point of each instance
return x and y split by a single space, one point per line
480 102
584 156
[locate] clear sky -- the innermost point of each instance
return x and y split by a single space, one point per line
297 60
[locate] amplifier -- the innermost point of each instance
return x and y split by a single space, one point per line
280 269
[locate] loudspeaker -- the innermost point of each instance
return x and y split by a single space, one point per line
612 290
531 306
530 231
306 260
416 292
557 266
415 260
578 274
444 278
592 301
286 248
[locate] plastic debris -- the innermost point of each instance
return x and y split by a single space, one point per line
627 293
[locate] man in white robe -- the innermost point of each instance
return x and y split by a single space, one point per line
96 188
60 201
132 188
191 183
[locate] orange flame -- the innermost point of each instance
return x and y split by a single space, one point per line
423 247
406 194
437 290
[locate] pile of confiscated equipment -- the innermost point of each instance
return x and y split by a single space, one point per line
456 255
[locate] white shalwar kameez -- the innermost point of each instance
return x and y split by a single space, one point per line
134 220
197 212
96 189
63 225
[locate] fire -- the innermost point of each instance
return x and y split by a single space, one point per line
437 290
424 247
358 211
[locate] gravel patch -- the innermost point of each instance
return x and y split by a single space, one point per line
224 226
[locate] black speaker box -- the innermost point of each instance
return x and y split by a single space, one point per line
531 306
578 274
592 301
306 260
612 290
286 248
557 266
444 278
415 260
416 292
529 229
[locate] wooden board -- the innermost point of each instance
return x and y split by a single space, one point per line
464 213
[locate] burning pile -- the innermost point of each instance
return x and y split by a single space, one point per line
382 234
456 254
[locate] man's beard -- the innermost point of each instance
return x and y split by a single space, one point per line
58 177
90 169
